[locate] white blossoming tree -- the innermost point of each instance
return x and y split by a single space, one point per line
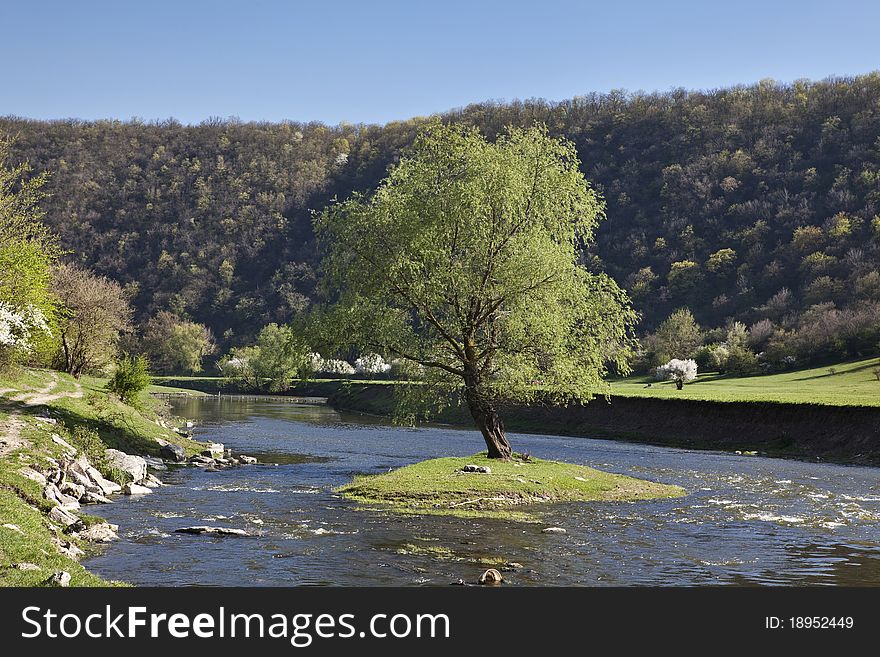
371 364
680 371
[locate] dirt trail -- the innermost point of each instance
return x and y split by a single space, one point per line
10 431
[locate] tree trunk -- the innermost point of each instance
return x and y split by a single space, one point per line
490 425
679 384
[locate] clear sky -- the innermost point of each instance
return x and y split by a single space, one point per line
380 60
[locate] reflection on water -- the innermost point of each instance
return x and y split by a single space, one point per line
746 521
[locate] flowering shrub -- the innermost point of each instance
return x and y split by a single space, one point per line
19 326
680 371
371 364
321 365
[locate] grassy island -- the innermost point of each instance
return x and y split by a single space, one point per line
439 486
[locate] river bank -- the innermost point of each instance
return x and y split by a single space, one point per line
67 449
839 434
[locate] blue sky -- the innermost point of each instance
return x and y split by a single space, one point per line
380 60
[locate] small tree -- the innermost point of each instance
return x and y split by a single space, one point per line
176 346
130 378
680 371
679 335
466 261
95 313
278 357
371 365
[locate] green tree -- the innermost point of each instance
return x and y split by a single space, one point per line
279 356
27 251
679 335
176 346
465 261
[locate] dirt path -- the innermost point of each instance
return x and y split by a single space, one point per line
10 431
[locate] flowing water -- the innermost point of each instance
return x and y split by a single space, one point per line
746 520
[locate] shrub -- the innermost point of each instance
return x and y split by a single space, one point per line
742 362
680 371
131 377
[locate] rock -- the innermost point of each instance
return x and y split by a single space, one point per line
173 452
83 467
101 533
512 565
73 489
152 481
61 578
554 530
68 549
190 424
491 577
58 440
247 460
200 460
47 420
216 531
13 528
91 497
136 489
24 565
580 479
134 466
62 516
215 450
51 493
33 475
482 469
155 464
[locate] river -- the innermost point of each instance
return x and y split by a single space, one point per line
747 520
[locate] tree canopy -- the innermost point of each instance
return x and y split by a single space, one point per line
466 261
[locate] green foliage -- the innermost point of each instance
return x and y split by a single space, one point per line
280 355
465 261
130 378
27 251
678 336
176 346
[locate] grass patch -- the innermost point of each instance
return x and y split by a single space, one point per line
843 384
438 486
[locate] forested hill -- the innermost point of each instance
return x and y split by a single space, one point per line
739 203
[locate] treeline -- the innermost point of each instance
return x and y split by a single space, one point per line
741 204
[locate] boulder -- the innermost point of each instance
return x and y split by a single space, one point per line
73 489
216 450
58 440
83 467
61 578
62 516
91 497
248 460
136 489
101 533
481 469
215 531
24 565
200 460
491 577
152 481
68 549
33 475
553 530
53 494
155 464
172 452
134 466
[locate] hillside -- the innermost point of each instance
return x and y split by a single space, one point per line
740 203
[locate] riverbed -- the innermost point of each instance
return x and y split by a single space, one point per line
747 520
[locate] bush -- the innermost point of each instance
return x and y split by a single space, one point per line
680 371
742 362
131 377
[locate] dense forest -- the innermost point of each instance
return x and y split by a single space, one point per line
749 203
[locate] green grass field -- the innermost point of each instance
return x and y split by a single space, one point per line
851 384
